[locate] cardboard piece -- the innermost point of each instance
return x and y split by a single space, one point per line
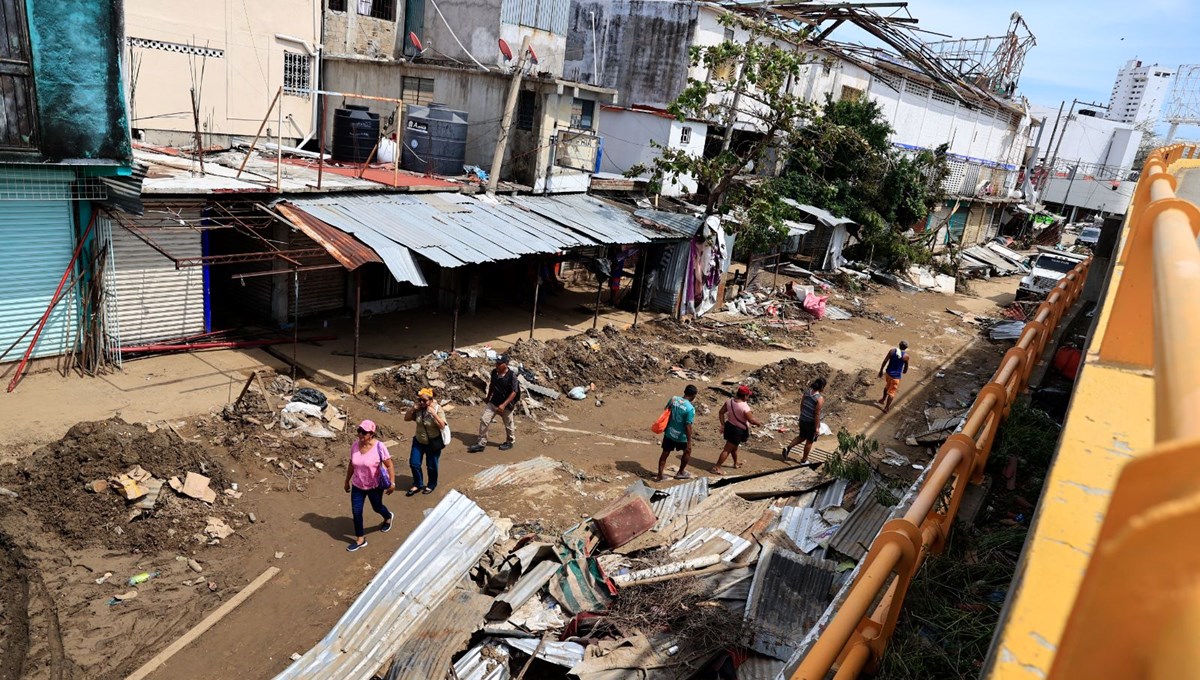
197 486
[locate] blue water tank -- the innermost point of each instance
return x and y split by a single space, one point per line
435 140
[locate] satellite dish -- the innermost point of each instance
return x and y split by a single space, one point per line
505 50
415 41
532 54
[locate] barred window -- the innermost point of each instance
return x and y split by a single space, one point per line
296 74
379 9
526 110
415 90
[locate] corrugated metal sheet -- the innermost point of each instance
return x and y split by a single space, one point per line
449 229
527 586
679 224
699 537
125 191
500 475
664 296
759 667
597 219
346 249
422 572
37 247
563 653
854 537
803 525
321 290
154 300
831 495
730 588
789 593
433 642
487 660
678 500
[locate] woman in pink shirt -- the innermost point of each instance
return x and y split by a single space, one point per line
367 456
736 419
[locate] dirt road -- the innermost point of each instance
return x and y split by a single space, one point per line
305 520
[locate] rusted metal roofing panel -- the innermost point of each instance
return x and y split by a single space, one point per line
678 500
678 224
421 574
487 660
433 642
450 229
513 473
344 248
399 260
599 220
789 593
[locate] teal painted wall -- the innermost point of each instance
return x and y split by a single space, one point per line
77 58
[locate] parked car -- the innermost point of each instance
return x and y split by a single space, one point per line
1048 267
1089 237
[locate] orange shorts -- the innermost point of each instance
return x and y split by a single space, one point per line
891 385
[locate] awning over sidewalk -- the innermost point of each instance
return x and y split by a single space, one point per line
454 230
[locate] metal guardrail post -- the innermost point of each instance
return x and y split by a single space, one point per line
856 637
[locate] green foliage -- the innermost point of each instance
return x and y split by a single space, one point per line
846 166
753 81
1028 434
852 460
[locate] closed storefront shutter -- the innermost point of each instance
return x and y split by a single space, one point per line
37 248
321 291
154 300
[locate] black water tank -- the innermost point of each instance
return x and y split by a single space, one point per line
435 140
355 131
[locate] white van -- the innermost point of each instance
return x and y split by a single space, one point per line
1049 266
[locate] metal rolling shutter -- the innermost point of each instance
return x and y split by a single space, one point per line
320 291
154 300
37 247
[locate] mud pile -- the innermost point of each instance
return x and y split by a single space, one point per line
790 377
51 484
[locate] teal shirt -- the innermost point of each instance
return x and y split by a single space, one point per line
683 413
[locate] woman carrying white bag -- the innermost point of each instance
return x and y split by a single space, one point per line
431 436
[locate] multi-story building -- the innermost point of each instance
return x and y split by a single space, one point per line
1139 92
1085 162
63 137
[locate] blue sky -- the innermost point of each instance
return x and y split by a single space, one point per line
1080 44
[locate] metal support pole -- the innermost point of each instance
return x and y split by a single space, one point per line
357 322
321 158
454 325
396 159
641 286
537 288
596 314
258 134
295 319
279 149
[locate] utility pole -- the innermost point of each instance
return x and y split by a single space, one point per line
1054 160
514 89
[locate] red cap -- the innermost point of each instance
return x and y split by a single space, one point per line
743 391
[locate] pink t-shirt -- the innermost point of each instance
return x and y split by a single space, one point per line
736 411
366 465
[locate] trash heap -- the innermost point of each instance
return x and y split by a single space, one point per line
704 579
575 367
279 401
114 485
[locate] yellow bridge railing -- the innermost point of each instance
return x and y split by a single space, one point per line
1137 612
856 637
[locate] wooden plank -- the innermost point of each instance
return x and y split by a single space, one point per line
208 622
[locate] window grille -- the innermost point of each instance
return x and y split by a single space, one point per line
296 73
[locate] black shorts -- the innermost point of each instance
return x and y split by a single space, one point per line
735 434
670 445
807 431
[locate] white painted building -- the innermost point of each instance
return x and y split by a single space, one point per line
1139 92
1085 162
630 135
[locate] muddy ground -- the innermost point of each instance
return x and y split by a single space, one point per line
57 539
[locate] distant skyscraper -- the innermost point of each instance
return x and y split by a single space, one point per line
1139 92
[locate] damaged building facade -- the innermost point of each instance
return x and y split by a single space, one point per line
64 147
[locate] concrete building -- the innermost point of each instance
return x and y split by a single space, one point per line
1139 92
1085 162
64 150
234 55
553 146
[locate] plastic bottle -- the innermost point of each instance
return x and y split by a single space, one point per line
141 578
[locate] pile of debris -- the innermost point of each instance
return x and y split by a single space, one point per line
711 578
791 377
597 359
296 410
121 486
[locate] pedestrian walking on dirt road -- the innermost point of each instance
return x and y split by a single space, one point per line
736 419
368 477
896 365
427 440
678 435
810 420
502 393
